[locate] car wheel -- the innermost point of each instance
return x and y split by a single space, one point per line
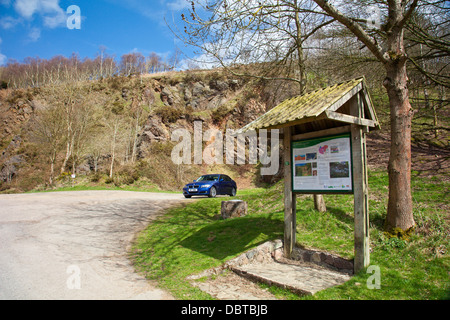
187 196
212 192
233 192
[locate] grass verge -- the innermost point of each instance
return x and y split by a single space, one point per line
193 238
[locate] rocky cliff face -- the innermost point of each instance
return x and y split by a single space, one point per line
218 103
149 108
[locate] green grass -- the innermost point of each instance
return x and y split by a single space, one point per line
193 238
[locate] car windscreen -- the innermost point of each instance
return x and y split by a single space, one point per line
209 177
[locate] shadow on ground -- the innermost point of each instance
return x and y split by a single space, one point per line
225 239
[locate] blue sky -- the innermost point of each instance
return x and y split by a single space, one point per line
39 28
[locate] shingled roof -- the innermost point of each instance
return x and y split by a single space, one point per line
317 105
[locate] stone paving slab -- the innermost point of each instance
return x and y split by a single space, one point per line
302 279
230 286
266 264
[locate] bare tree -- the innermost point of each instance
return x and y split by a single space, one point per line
174 59
270 35
33 72
83 125
428 41
132 63
102 50
114 127
428 45
387 45
153 61
48 131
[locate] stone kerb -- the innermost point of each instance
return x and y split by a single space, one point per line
321 258
266 252
273 250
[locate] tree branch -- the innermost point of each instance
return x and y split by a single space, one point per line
408 14
355 28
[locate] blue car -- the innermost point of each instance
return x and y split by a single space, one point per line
211 185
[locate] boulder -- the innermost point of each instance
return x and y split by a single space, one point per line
233 209
218 85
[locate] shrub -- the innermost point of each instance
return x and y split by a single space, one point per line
169 114
126 175
219 114
96 177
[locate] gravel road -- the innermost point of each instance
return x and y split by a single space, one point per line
73 245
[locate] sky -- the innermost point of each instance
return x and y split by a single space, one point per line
45 28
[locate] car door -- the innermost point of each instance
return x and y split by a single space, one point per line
220 185
226 184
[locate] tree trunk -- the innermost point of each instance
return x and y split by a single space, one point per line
52 167
300 58
399 214
66 158
113 149
96 163
319 203
50 180
112 164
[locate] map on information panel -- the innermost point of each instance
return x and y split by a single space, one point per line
322 165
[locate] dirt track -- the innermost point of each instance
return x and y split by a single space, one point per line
73 245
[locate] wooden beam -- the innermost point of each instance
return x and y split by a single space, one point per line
289 197
350 119
360 191
366 98
322 116
321 133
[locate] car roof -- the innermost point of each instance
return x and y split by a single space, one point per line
215 174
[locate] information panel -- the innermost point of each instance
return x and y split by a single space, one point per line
322 165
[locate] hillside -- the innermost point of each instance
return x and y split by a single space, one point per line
125 121
116 131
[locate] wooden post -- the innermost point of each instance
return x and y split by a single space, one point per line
289 197
360 190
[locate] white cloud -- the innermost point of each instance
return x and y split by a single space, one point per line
5 3
3 58
34 34
58 19
178 5
26 8
8 22
53 15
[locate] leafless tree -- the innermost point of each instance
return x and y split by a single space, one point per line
48 131
270 35
132 63
428 45
387 44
